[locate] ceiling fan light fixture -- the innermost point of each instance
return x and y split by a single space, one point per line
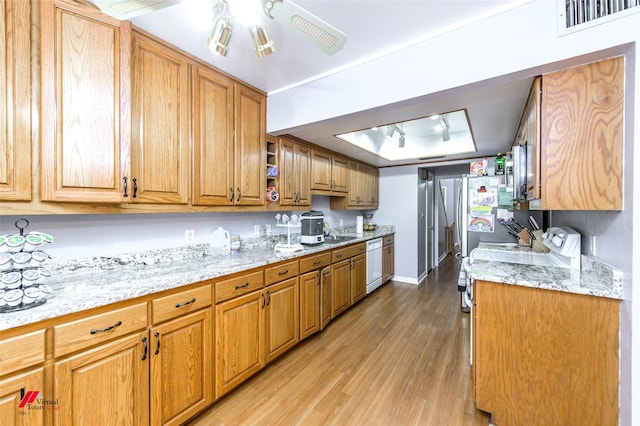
262 43
220 36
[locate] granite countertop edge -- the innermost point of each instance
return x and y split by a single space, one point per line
91 283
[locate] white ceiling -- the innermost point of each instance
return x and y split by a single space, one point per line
374 28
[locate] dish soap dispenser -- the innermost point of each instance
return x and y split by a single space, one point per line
220 242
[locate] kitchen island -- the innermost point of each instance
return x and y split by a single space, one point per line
545 339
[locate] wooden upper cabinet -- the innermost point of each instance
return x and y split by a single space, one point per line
250 147
213 156
329 172
340 173
294 173
86 128
160 123
15 92
582 137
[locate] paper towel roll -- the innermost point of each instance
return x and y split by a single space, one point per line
359 224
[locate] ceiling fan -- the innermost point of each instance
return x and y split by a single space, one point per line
284 12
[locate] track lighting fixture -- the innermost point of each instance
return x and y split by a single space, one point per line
220 36
445 129
262 43
401 141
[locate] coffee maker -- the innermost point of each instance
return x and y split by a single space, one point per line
312 227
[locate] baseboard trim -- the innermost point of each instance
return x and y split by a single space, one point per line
405 280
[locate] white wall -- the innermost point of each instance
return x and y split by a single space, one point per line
82 236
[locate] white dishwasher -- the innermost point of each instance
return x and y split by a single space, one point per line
374 264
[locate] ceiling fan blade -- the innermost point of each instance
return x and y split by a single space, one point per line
306 25
127 9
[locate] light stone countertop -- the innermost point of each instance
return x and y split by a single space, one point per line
522 266
89 283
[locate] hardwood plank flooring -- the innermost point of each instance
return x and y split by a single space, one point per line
398 357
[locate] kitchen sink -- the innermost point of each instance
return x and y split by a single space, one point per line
338 238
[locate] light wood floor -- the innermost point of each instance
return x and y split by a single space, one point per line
399 357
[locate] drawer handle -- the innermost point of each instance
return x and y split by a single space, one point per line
157 336
317 262
339 256
238 287
118 324
188 302
144 345
286 271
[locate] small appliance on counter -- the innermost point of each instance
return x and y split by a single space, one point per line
565 244
312 227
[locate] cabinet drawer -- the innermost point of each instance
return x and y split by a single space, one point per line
21 351
315 262
347 252
228 289
281 272
174 305
96 329
388 239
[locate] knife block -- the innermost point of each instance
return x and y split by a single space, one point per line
524 238
536 245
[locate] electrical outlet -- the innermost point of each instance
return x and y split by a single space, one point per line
267 229
189 236
593 245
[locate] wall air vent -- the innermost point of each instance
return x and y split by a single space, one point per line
574 15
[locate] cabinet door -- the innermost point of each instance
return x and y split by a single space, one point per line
213 157
387 262
309 304
15 403
288 179
250 148
15 92
282 320
358 278
371 187
303 166
239 340
181 368
320 170
341 287
340 173
356 197
85 117
160 123
582 137
108 384
326 276
531 134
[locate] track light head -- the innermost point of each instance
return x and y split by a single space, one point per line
401 142
220 36
261 41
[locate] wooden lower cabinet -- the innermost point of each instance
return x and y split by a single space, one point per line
358 278
13 389
545 357
239 340
340 287
309 304
105 385
326 279
388 254
281 317
181 368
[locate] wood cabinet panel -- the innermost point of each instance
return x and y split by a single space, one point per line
348 251
294 173
96 329
388 262
117 372
239 336
85 115
309 304
535 349
250 147
340 287
326 280
582 137
317 261
213 156
12 390
321 170
15 95
281 272
181 368
340 173
160 123
22 351
281 317
179 304
237 286
358 278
